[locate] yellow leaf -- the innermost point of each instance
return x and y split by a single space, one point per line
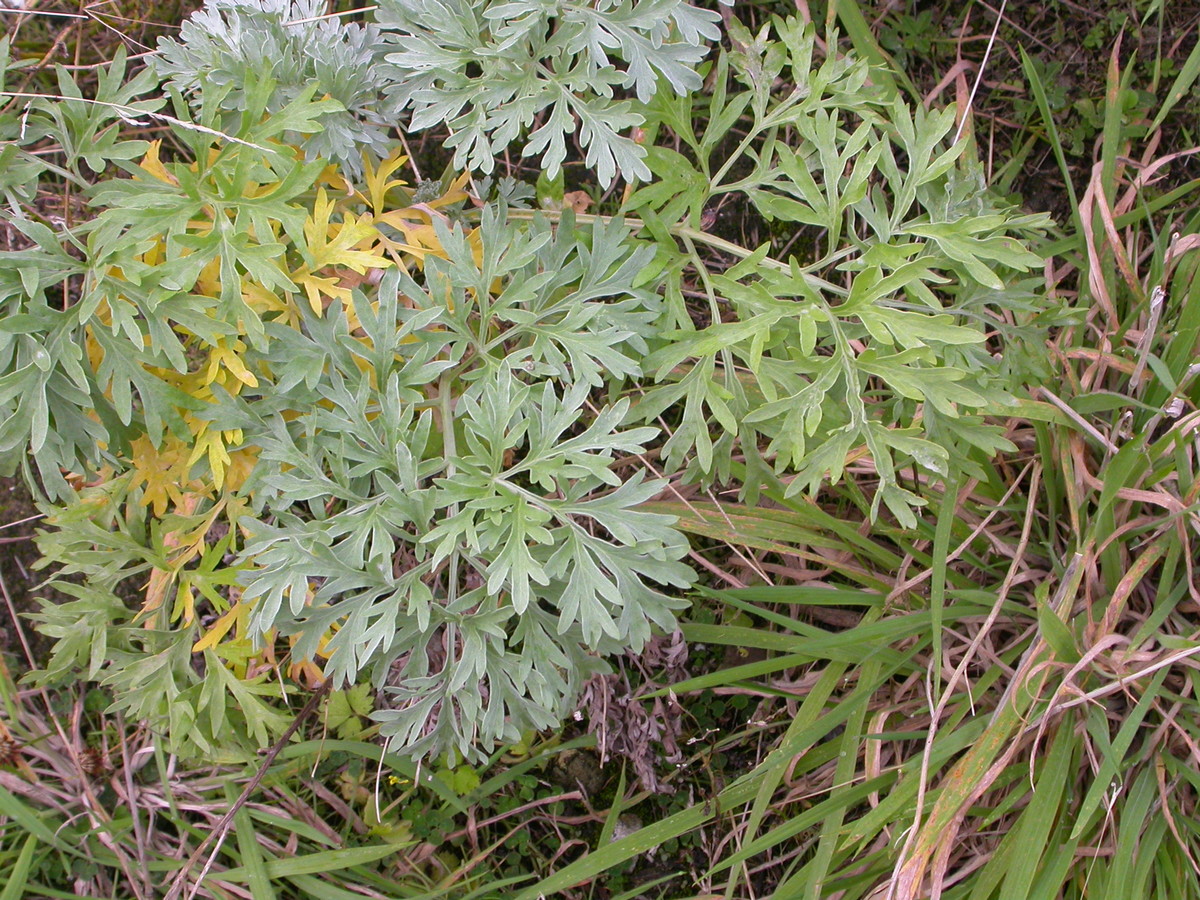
163 471
377 180
185 603
161 579
213 444
315 285
242 463
266 303
209 282
229 358
220 628
153 166
306 672
156 254
316 226
455 194
330 175
417 232
331 244
156 591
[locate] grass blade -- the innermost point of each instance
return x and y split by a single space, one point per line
312 863
252 858
18 875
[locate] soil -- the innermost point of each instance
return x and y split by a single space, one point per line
18 553
1073 47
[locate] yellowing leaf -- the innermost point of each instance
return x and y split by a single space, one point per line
331 244
315 285
164 473
185 603
241 464
267 304
420 236
220 628
456 193
228 358
156 254
331 175
209 281
156 592
306 672
377 180
162 579
153 166
213 445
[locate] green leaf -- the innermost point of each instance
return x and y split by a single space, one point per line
346 709
567 84
321 861
18 873
1056 633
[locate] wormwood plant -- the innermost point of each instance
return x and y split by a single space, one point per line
872 344
489 69
323 423
223 46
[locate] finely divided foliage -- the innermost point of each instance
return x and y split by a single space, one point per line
899 289
471 541
403 433
219 59
488 70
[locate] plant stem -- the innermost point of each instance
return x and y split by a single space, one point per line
685 232
449 447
